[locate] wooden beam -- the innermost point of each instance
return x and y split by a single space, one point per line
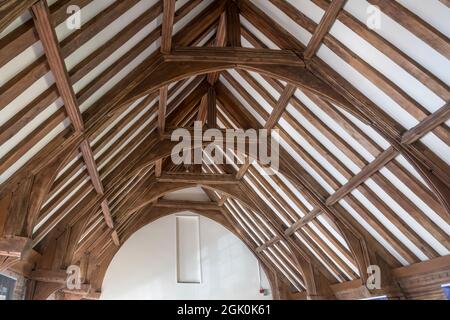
445 2
47 35
167 25
57 65
50 276
281 106
281 64
323 28
220 42
303 222
115 238
203 108
268 244
91 166
162 109
233 25
237 56
212 108
158 168
243 169
384 158
423 268
10 10
166 47
196 178
425 126
14 246
222 201
278 111
185 205
415 24
107 214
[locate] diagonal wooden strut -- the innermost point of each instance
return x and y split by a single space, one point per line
47 35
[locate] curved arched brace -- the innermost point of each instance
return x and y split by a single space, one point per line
153 215
298 177
23 198
157 190
292 171
168 72
42 184
164 148
169 69
440 189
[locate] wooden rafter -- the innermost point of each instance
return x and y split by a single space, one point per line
91 166
10 10
220 42
270 124
302 222
49 40
52 50
412 22
166 48
363 175
268 244
233 25
426 126
162 110
212 108
167 25
323 28
282 103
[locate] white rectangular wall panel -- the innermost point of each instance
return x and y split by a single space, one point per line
188 250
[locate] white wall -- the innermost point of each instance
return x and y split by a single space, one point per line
145 266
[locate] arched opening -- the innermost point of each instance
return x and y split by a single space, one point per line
146 265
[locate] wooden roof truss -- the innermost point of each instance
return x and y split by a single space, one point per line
101 168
